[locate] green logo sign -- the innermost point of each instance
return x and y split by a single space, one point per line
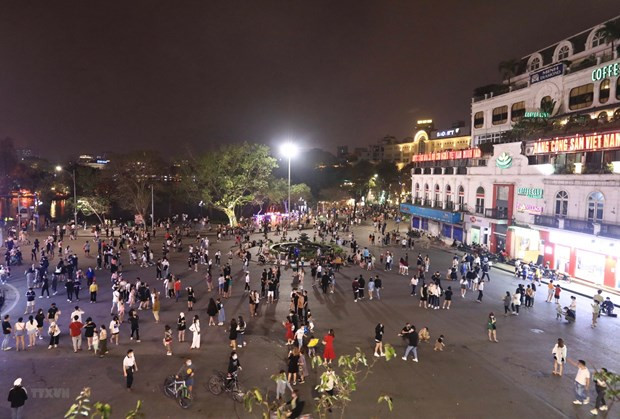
504 161
536 193
537 115
603 72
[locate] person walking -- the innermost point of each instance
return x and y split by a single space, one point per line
7 330
54 332
181 327
221 314
130 366
516 303
212 312
414 284
447 298
17 398
379 330
600 385
75 330
241 332
378 286
30 297
103 341
559 357
114 329
507 301
480 289
582 382
93 288
156 306
328 353
492 328
596 310
232 334
90 329
195 329
168 340
134 320
408 332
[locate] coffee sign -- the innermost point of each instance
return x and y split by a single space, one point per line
536 193
529 208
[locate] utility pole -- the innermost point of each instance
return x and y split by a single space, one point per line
152 209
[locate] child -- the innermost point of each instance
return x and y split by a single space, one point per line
281 385
95 343
312 346
424 335
439 345
559 312
168 340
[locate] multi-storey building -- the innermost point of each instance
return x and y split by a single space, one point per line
571 83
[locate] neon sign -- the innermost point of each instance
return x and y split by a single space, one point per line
578 142
529 208
470 153
603 72
536 193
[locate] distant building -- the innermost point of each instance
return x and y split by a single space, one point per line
96 162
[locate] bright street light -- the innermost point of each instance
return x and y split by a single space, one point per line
59 168
289 150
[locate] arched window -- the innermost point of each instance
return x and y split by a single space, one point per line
617 114
598 39
563 53
417 190
427 196
561 203
480 200
535 64
596 202
448 193
437 194
461 198
603 91
602 117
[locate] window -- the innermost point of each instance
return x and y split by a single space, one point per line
478 119
437 194
563 53
603 91
461 196
617 115
480 200
517 111
602 117
417 190
618 88
545 103
596 202
448 193
581 97
426 193
598 39
535 64
561 203
500 115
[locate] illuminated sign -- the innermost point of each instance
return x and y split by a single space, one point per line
470 153
537 115
536 193
547 73
578 142
529 208
503 161
425 121
448 132
603 72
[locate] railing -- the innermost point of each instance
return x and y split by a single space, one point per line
449 205
546 221
479 209
610 230
580 226
438 204
496 213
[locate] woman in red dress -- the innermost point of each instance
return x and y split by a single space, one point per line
328 352
288 326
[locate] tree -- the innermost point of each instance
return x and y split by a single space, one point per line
333 194
84 408
132 175
358 181
388 180
232 177
612 392
611 32
94 205
509 69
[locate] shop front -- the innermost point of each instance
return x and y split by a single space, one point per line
478 230
434 221
587 257
526 244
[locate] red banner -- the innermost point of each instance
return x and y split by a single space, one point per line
470 153
578 142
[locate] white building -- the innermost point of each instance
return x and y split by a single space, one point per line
570 80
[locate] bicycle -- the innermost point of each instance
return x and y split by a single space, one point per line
177 389
219 382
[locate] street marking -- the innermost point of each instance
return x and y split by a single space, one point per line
16 300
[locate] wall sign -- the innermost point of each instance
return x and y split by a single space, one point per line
536 193
578 142
503 161
536 114
470 153
448 132
603 72
529 208
547 73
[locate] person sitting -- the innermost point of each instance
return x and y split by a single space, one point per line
608 307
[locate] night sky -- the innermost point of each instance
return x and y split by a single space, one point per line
86 77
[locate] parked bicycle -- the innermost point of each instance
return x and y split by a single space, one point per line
177 389
220 382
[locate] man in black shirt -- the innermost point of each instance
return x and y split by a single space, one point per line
17 397
411 335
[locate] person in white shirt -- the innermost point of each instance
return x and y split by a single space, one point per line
115 297
582 382
559 357
129 367
77 312
195 329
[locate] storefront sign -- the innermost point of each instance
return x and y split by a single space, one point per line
536 114
448 132
503 161
529 208
578 142
605 71
430 213
547 73
470 153
536 193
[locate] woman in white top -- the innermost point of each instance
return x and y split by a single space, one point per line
559 357
31 331
195 329
20 331
114 330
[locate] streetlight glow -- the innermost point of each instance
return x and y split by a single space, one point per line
59 168
289 149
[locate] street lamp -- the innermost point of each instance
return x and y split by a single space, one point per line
289 150
72 173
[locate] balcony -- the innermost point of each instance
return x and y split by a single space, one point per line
579 225
478 209
546 221
496 213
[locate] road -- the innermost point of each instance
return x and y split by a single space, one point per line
471 378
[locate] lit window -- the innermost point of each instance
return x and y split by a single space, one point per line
581 97
561 203
461 195
478 119
437 193
517 111
535 64
500 115
563 53
596 202
448 193
480 200
603 92
598 39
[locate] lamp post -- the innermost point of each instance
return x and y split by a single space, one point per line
72 173
289 150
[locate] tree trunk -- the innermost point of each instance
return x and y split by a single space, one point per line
232 217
